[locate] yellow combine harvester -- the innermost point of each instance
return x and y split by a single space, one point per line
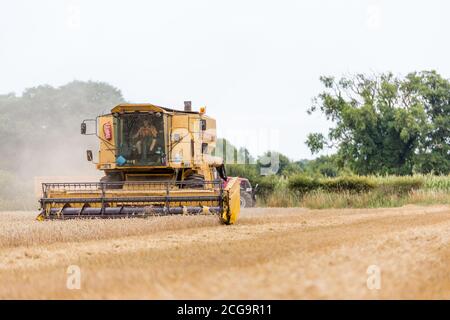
157 161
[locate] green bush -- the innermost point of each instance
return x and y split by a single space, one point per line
268 184
433 182
348 183
399 184
355 191
248 171
303 184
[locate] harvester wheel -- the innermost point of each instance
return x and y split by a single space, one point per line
195 180
246 200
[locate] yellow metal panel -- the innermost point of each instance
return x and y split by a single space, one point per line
232 201
180 121
180 154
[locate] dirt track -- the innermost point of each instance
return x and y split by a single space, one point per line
270 253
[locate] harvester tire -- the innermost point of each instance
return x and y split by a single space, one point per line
195 180
246 200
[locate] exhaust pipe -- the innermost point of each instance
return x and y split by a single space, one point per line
188 106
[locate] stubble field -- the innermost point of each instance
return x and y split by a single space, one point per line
270 254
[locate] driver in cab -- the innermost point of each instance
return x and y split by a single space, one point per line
146 136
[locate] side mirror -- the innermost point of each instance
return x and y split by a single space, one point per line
83 128
89 155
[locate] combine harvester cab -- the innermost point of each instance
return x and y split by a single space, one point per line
157 161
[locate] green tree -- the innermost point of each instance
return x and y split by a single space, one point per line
292 168
248 171
326 166
272 162
378 123
434 91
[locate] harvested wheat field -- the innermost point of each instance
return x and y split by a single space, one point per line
271 253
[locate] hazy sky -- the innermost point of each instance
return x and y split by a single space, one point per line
254 64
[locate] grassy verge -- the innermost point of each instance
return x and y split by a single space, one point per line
356 192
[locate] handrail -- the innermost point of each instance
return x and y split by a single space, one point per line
129 185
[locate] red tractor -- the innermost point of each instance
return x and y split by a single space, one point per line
248 193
